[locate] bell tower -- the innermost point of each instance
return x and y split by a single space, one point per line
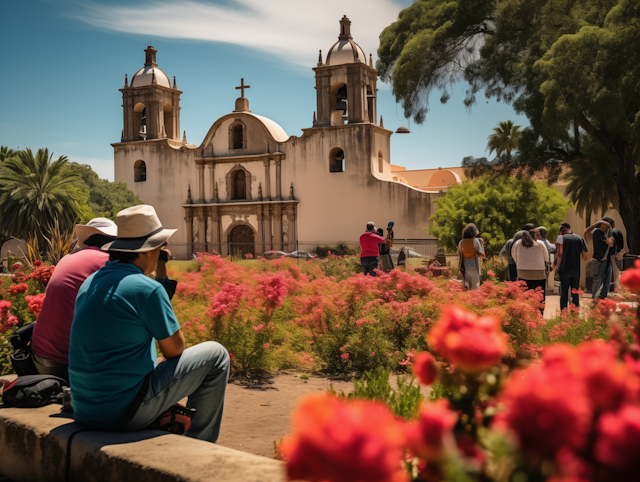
151 105
345 85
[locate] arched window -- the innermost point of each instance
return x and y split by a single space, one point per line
237 136
340 104
139 171
380 162
371 105
336 160
140 121
240 185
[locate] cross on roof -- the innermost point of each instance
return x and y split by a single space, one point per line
242 86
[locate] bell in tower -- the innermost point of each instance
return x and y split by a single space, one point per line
151 105
345 84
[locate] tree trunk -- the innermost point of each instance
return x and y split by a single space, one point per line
629 204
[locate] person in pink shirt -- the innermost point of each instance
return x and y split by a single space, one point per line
50 339
369 242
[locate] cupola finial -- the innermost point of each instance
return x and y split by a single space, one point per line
150 57
126 81
345 29
174 82
320 64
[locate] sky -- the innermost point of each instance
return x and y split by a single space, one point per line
64 61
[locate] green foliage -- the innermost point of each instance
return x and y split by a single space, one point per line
6 153
404 401
499 206
341 249
36 191
499 267
105 198
569 66
592 185
505 137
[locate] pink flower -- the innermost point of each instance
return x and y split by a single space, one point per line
491 273
266 345
19 288
341 348
631 278
344 356
432 432
226 300
618 443
34 303
202 328
16 266
337 325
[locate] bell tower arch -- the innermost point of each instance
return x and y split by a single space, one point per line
151 105
345 84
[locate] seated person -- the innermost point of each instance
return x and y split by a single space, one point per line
116 380
50 339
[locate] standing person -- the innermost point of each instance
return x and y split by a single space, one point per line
369 254
116 380
531 257
571 248
617 254
470 250
505 252
50 338
603 250
543 237
402 258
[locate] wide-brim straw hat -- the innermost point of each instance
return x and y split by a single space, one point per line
139 230
95 226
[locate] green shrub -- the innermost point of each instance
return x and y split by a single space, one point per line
340 249
404 401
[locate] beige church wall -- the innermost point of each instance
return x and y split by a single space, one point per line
170 171
337 206
381 144
257 139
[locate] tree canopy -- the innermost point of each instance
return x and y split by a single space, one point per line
105 198
499 206
571 66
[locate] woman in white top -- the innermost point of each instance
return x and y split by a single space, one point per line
531 257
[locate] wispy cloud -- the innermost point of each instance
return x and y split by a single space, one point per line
291 30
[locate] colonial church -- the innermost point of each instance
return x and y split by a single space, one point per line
250 187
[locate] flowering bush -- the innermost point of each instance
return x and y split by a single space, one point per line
572 415
35 303
7 320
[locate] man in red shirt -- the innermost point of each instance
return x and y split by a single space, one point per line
50 340
369 243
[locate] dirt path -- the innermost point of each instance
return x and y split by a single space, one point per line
256 416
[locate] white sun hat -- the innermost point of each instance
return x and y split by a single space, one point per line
139 230
95 226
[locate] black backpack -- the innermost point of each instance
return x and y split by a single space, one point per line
34 391
21 358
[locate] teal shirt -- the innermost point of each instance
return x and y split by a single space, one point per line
118 313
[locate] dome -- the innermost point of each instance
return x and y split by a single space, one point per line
144 76
345 50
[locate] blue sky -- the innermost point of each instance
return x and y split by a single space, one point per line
64 61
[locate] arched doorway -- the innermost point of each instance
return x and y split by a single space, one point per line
242 241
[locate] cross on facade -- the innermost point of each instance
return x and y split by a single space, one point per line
242 86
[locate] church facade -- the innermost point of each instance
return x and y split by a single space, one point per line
249 187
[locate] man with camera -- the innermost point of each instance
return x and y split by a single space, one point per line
116 379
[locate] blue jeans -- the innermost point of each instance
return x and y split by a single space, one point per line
369 264
200 373
601 279
569 280
513 272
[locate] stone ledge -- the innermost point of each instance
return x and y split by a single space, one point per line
33 447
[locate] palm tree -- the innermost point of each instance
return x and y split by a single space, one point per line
37 191
592 187
6 153
505 137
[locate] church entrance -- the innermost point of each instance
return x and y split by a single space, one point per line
242 241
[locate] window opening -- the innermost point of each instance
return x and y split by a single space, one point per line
336 162
380 162
240 185
238 136
139 171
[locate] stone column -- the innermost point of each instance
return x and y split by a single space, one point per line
202 230
214 219
211 167
155 120
323 98
355 94
200 183
260 236
267 180
277 227
268 246
278 178
189 226
293 238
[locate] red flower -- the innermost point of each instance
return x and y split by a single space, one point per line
631 278
35 303
472 343
7 320
37 263
491 273
344 356
432 432
19 288
338 441
424 366
546 409
226 300
618 443
16 266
